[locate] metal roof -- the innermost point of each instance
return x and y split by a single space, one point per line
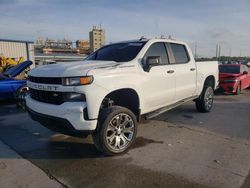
19 41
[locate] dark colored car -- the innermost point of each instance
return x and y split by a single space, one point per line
10 85
234 78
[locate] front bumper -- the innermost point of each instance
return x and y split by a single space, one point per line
58 124
68 113
229 87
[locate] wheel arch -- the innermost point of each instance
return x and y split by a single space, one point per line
125 97
210 81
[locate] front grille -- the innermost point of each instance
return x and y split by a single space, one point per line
47 96
43 80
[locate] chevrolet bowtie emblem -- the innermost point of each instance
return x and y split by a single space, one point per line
55 95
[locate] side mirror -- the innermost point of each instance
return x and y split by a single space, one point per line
245 72
152 61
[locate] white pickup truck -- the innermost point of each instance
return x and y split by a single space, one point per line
107 94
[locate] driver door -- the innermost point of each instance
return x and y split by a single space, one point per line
159 85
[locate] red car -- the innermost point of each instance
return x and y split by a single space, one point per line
234 78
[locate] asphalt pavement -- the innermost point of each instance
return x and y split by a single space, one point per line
180 148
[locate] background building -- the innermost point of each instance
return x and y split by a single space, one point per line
50 51
83 46
96 38
51 46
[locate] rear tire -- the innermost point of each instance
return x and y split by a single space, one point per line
205 102
116 130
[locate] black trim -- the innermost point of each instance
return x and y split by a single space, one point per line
58 124
86 115
159 111
46 80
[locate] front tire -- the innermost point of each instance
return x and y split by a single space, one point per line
20 95
116 130
205 102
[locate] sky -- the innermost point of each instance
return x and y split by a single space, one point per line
204 22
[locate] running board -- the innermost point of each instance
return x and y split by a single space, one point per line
167 108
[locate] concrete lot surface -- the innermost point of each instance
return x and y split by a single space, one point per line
18 172
180 148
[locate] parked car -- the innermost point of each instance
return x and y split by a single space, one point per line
247 63
234 78
11 83
106 94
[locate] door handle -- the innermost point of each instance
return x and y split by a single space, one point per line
170 71
192 69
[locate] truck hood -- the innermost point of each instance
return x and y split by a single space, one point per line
70 69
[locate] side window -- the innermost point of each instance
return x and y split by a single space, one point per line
180 53
157 49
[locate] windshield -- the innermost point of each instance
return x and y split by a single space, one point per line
229 69
119 52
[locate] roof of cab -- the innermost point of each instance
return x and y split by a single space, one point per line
151 40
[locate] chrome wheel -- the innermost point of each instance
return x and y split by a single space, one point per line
120 132
208 98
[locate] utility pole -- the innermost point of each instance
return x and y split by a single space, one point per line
218 48
216 53
195 50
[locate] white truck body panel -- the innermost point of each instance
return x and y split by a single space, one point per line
204 69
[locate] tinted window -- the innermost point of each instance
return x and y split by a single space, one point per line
229 69
157 49
180 53
119 52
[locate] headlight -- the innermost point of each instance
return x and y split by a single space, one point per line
70 97
76 81
230 81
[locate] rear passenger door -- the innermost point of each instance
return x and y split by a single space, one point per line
185 71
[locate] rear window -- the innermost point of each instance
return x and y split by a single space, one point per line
180 53
229 69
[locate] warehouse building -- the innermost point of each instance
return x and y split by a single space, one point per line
17 49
